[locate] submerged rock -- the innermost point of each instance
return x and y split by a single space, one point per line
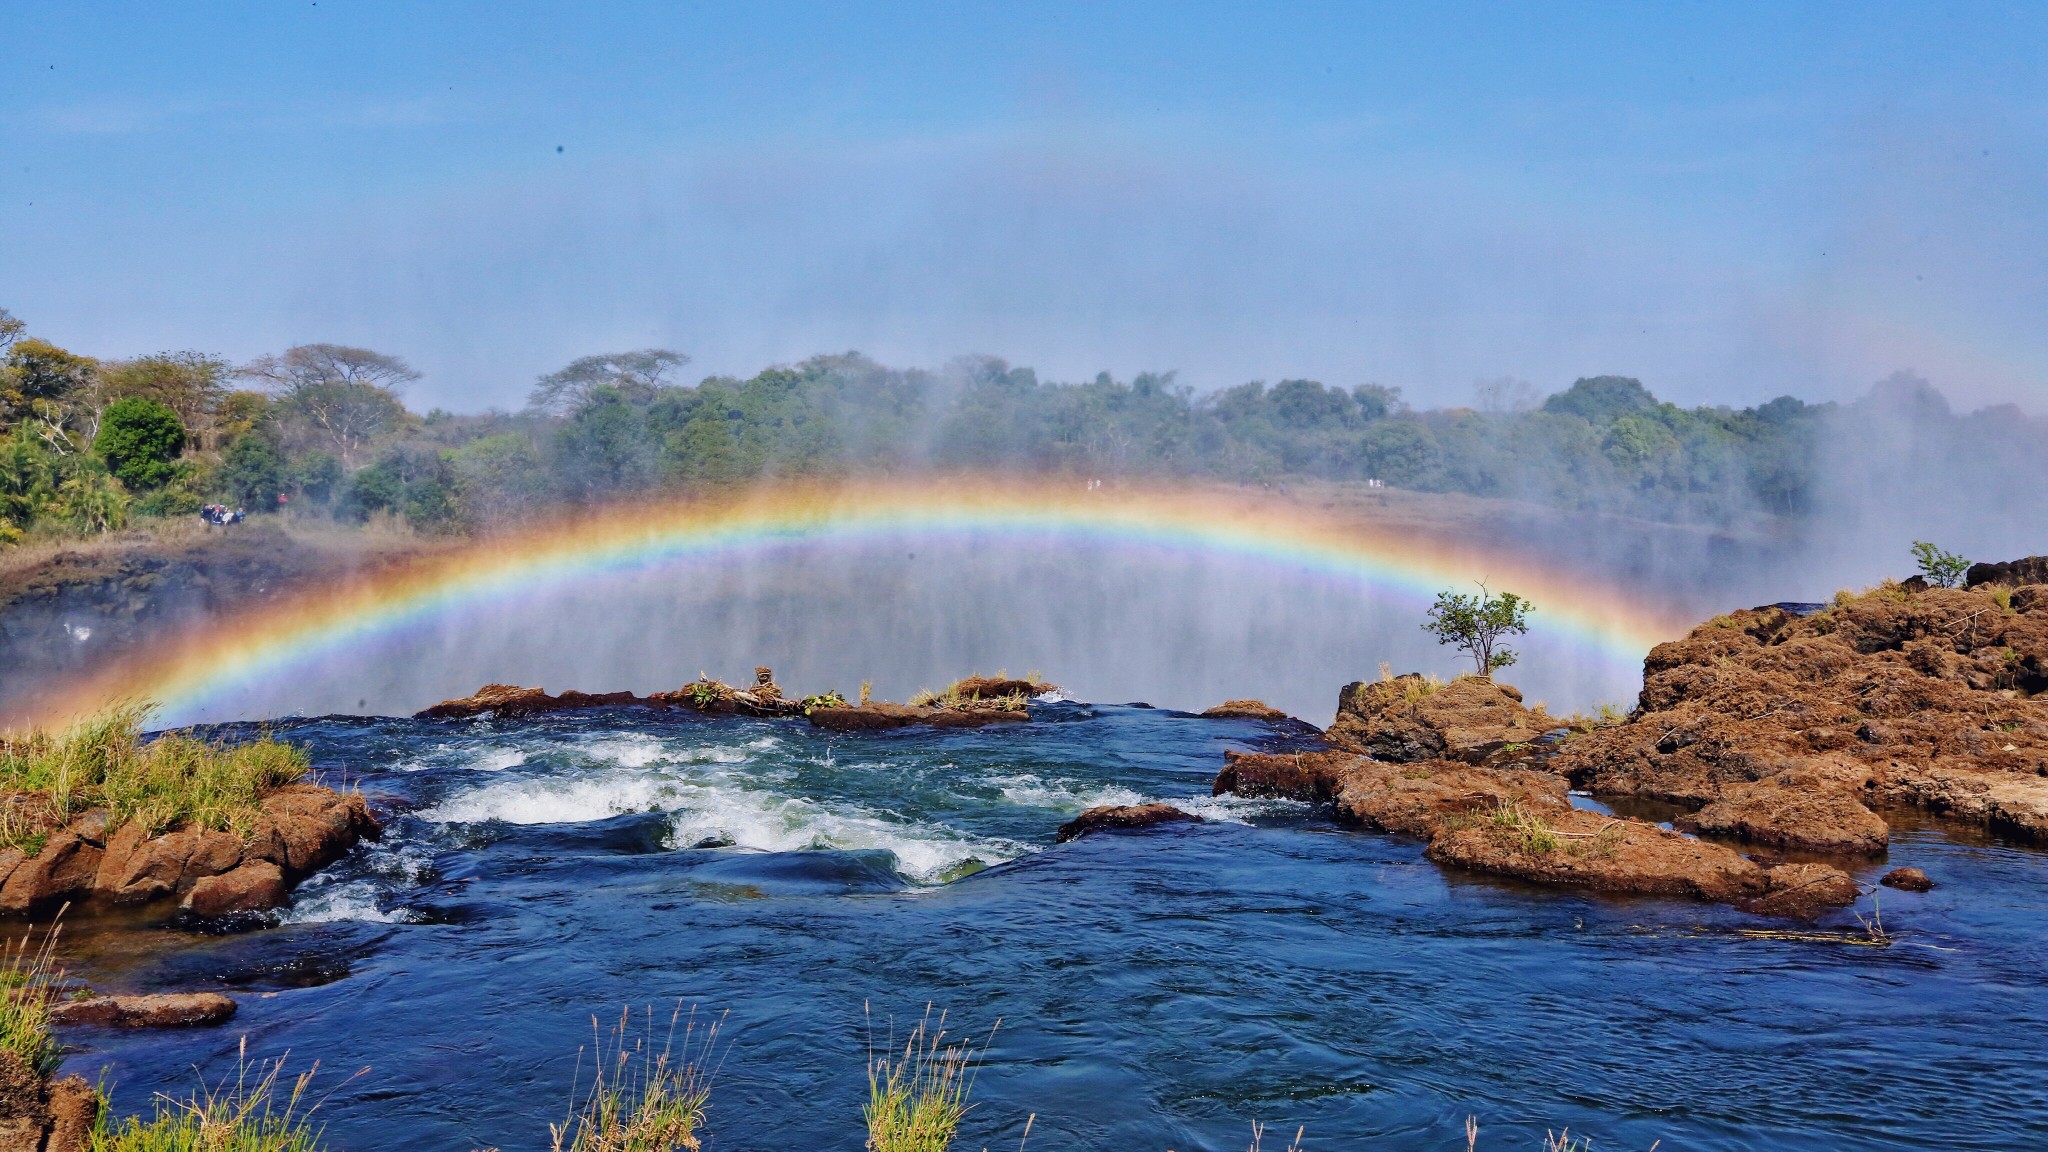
1907 880
160 1010
1120 817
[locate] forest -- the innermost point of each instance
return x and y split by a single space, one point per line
89 445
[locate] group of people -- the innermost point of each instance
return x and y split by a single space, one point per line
220 514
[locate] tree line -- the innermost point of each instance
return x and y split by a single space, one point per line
323 429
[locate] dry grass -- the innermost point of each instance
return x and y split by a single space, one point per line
28 978
257 1111
643 1098
1518 829
917 1096
172 781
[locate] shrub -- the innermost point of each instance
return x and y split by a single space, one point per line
1475 625
140 440
1942 569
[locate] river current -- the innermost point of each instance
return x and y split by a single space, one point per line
1157 990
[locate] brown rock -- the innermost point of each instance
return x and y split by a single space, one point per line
1244 710
998 687
1408 719
1803 891
511 702
254 887
24 1108
1793 731
1517 821
880 716
1907 880
1810 816
162 1010
62 871
305 827
1119 817
74 1112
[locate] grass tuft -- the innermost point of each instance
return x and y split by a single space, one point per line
1517 828
255 1112
917 1098
27 982
643 1099
172 781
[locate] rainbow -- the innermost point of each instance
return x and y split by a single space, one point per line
182 674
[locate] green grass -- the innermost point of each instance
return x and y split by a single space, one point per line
918 1095
640 1098
1520 829
27 980
255 1112
170 782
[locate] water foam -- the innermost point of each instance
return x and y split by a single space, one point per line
1030 791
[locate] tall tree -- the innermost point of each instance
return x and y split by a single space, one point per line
191 384
336 396
634 376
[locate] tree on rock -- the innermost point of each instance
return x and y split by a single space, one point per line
1475 625
140 441
1942 569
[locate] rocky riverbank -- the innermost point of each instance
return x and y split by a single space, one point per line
970 703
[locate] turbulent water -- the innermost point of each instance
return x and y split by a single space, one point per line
1161 989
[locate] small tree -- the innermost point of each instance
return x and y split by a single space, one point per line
1942 569
1475 625
140 441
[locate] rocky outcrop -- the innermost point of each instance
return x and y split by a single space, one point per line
299 829
1516 821
879 716
37 1115
1122 817
1795 731
1244 710
512 702
2008 573
160 1010
1408 718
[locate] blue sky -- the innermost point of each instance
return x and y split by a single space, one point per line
1730 202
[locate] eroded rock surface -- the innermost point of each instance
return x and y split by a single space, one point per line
1122 817
1245 710
880 716
160 1010
1793 731
1516 821
299 829
1409 718
37 1115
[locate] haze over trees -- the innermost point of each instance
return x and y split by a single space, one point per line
324 430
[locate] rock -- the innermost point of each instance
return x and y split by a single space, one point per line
1907 880
254 887
1807 814
161 1010
305 827
1796 731
1408 718
511 702
1516 820
1244 710
2008 573
63 871
24 1107
999 687
881 716
1803 891
74 1111
1109 817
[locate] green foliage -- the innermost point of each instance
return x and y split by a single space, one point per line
28 981
643 1098
918 1095
253 473
829 699
140 440
1475 625
1942 569
172 781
